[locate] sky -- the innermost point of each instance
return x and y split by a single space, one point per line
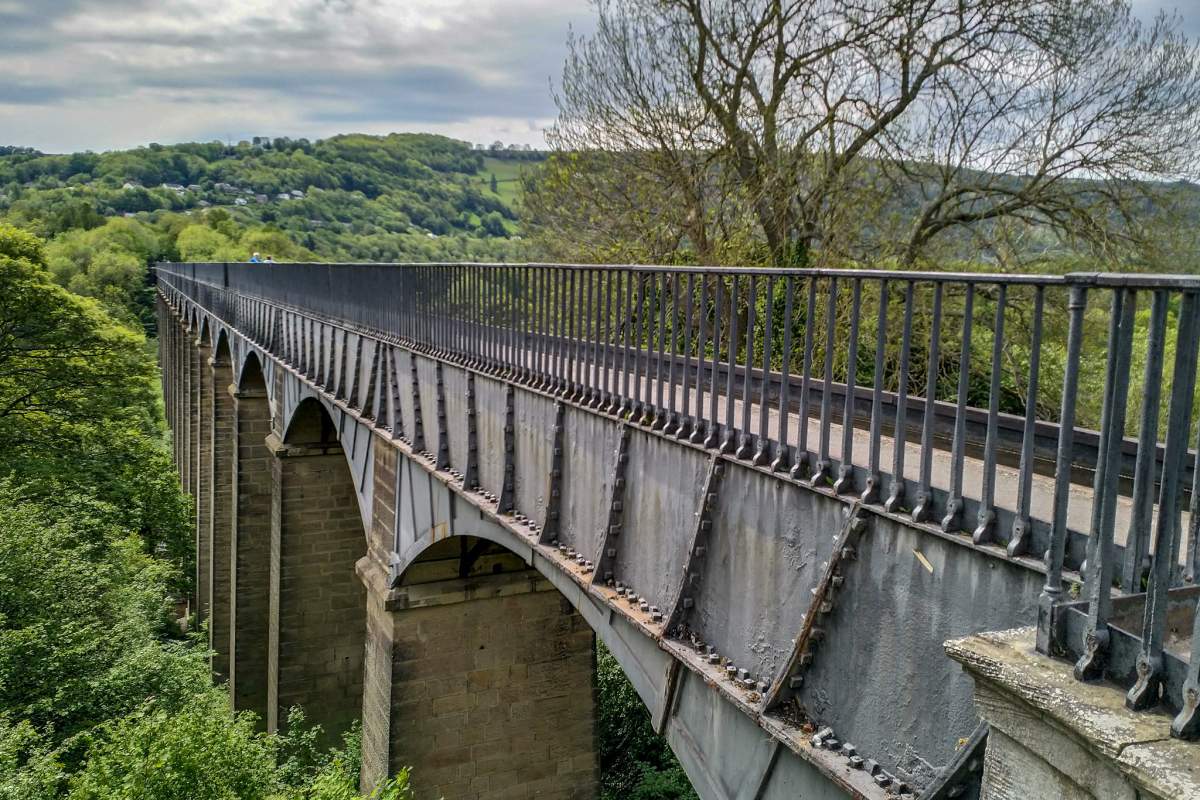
110 74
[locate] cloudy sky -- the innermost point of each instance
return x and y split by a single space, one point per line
102 74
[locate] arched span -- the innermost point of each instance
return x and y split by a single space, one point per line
722 749
429 514
221 351
296 408
310 424
202 329
249 374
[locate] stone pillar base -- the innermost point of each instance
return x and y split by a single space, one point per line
1054 737
484 685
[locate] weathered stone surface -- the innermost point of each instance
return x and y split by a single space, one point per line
484 683
1063 738
220 513
250 552
317 630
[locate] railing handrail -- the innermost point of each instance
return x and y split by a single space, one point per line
1134 280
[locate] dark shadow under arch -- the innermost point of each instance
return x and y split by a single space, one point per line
221 352
251 378
311 425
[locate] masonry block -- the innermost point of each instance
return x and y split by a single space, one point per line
202 472
488 693
250 552
316 630
220 513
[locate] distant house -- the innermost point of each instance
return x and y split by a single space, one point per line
204 204
174 187
297 193
193 187
131 185
241 201
225 187
283 196
261 198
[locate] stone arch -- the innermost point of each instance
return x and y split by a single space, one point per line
357 440
221 349
310 424
202 327
249 374
475 651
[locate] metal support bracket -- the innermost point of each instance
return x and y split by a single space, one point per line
443 451
554 489
418 434
471 470
507 501
685 597
606 558
789 681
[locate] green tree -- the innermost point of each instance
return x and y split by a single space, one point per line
199 752
635 762
83 609
202 243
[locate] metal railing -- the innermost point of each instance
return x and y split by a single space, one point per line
1044 416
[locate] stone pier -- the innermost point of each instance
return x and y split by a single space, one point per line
1052 736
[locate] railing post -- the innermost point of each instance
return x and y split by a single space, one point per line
1186 724
1098 586
1052 591
1144 693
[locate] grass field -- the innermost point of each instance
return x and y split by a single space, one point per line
507 175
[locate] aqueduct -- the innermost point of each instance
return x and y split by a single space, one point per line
421 490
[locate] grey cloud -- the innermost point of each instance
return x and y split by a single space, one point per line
317 66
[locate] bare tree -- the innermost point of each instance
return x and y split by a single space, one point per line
859 129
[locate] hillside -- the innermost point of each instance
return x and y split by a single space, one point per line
400 197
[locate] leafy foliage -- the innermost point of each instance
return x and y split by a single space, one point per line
403 197
100 696
635 762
